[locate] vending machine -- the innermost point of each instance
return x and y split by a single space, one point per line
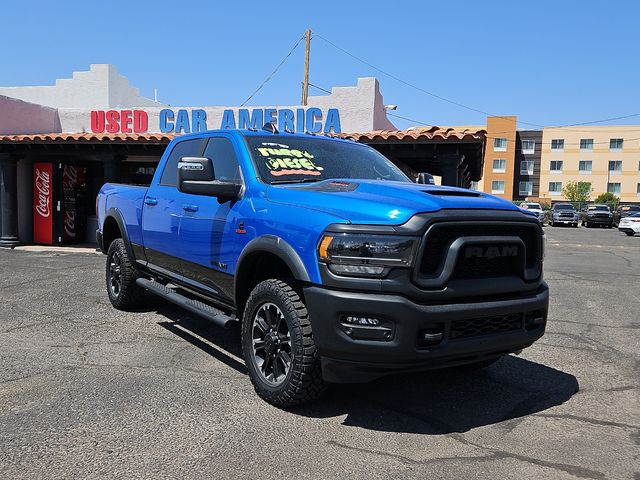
59 203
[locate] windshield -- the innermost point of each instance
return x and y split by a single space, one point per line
534 206
289 159
563 207
600 208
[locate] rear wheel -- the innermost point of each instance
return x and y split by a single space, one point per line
121 276
631 234
278 346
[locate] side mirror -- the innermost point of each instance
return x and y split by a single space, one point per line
425 179
196 176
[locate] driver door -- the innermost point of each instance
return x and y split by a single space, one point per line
207 226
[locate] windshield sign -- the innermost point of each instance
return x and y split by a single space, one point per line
288 159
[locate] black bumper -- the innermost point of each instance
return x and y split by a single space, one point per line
349 354
599 221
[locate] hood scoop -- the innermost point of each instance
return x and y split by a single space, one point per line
452 193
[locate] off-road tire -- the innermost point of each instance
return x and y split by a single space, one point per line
303 382
129 295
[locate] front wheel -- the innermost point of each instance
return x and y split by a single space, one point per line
278 346
631 234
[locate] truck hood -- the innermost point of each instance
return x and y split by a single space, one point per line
381 202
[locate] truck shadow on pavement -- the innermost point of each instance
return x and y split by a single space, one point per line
439 402
434 403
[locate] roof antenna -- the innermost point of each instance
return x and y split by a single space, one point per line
270 127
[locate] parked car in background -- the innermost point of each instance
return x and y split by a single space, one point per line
630 224
533 207
624 211
563 214
599 215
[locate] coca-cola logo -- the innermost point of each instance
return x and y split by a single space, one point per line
70 224
69 176
43 191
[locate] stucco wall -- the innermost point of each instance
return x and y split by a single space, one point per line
99 87
18 117
361 109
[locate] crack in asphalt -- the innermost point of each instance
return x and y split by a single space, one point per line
590 325
495 454
593 421
408 460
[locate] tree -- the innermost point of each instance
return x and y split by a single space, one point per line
607 198
577 191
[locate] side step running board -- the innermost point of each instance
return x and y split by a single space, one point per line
208 312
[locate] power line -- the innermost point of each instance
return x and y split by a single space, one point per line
319 88
453 102
274 71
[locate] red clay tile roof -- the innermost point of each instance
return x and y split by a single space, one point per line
161 138
414 134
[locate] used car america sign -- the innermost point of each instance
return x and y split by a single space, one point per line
310 120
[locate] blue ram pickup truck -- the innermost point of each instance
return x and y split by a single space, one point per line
335 266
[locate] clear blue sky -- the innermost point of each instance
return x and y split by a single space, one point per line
549 62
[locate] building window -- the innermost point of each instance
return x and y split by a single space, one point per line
497 186
615 143
586 144
526 167
615 166
526 188
613 188
499 165
557 144
556 166
499 144
555 188
528 146
638 190
584 166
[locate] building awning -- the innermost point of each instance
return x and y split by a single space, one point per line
83 138
418 134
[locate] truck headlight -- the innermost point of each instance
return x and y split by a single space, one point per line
362 255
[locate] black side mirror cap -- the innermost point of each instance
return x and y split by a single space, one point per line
196 176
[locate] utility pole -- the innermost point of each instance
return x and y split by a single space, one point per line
305 80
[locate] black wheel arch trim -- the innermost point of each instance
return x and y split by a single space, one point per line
278 247
117 216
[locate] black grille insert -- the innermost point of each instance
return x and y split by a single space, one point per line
441 235
475 327
487 267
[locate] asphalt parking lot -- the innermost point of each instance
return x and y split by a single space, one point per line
90 392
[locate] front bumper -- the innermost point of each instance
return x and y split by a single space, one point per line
568 221
348 359
629 229
599 221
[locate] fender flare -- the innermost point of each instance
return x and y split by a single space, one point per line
117 216
278 247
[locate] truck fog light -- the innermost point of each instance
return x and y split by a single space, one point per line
356 269
361 320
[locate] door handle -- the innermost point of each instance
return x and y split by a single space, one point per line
190 208
150 201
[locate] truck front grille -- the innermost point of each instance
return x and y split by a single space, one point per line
440 237
475 327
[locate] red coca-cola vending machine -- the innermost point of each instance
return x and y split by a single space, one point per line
59 203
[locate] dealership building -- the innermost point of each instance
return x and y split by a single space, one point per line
59 143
